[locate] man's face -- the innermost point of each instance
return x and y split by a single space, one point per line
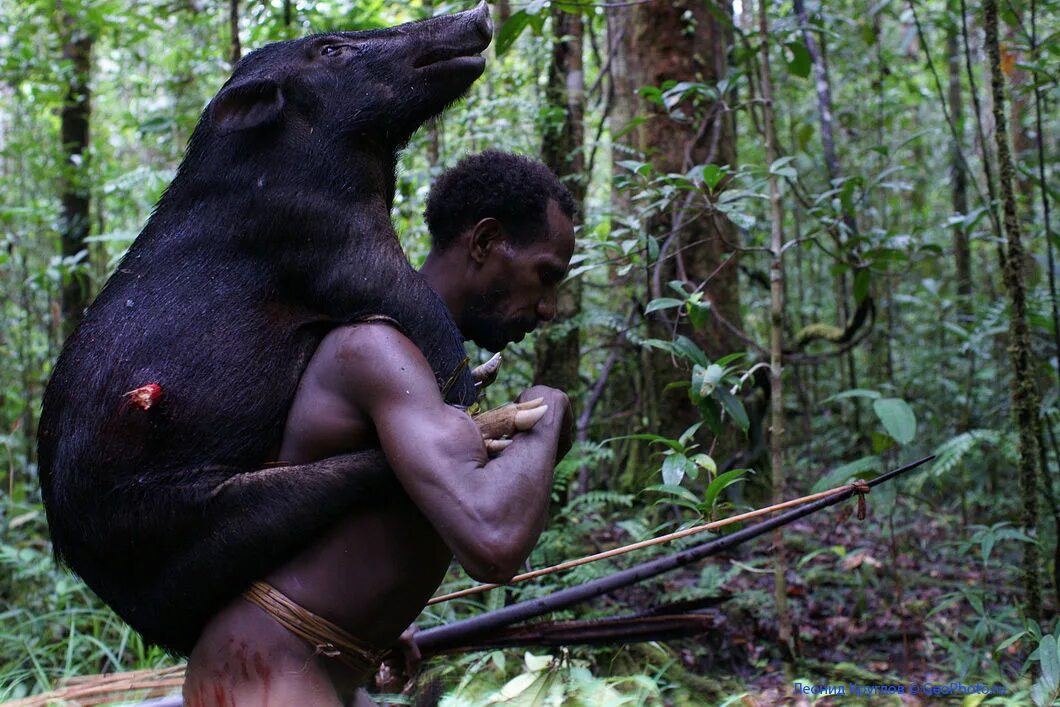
518 286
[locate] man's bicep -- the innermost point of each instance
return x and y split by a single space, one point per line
389 379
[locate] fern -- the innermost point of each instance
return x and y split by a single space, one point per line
950 453
594 501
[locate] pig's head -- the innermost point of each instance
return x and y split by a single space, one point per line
377 84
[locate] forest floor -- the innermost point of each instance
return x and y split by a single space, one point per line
882 609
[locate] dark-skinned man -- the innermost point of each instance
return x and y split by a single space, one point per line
310 633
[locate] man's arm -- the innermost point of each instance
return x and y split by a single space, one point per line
489 512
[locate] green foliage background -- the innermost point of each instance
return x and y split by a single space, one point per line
932 367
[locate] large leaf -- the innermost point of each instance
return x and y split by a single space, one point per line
511 30
897 418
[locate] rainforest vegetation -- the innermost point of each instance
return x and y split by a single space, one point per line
816 241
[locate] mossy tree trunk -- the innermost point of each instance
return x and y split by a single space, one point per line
688 42
1021 356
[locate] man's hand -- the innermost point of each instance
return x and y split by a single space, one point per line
559 413
399 671
499 424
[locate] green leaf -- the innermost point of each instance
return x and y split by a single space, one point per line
678 491
852 393
881 442
862 280
698 314
687 349
662 303
705 461
710 496
704 380
641 168
897 418
734 407
798 59
712 175
1050 661
674 468
780 168
689 433
158 124
840 475
651 94
648 437
511 30
708 410
846 194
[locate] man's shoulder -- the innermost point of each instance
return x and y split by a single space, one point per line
373 353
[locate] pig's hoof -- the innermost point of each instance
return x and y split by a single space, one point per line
507 420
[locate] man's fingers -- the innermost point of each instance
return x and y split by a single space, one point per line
529 404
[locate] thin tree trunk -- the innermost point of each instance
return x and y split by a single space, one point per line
559 344
235 52
822 85
776 314
988 171
75 192
959 199
1024 384
1042 190
961 250
1047 482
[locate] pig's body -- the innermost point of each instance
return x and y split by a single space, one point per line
168 403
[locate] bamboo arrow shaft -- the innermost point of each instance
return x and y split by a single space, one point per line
442 637
614 552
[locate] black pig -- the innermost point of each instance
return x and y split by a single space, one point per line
168 403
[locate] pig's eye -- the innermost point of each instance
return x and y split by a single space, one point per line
333 50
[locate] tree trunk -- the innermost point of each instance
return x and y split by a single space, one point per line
822 85
558 351
959 182
75 190
235 52
776 321
1024 384
962 252
687 41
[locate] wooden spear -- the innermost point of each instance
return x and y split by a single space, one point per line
462 632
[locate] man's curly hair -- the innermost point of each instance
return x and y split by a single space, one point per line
511 188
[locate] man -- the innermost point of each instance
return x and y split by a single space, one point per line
502 238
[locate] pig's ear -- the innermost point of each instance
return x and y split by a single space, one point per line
247 104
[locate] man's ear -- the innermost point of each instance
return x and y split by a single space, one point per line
484 237
247 104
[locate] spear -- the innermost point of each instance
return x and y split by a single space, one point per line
460 632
